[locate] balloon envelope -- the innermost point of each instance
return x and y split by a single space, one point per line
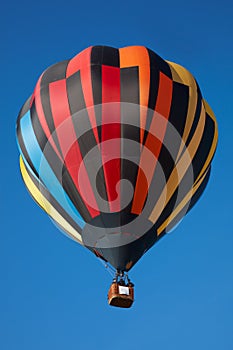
116 146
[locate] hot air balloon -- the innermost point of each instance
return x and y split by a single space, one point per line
116 147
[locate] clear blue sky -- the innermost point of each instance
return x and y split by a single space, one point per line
52 291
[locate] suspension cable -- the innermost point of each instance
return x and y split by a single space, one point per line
109 268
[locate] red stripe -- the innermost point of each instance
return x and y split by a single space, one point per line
41 116
153 143
82 62
68 142
111 130
164 98
32 98
78 61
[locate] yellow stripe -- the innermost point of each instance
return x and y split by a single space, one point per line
46 206
183 76
180 169
181 205
214 143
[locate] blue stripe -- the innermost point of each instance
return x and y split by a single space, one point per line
47 176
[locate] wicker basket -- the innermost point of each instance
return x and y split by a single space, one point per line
120 296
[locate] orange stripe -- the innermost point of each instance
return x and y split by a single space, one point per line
153 143
138 56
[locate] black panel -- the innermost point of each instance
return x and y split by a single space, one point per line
130 85
179 107
24 109
121 256
153 94
51 156
97 55
204 147
105 55
192 202
165 159
74 195
160 177
200 190
154 86
45 101
96 77
180 192
81 122
160 64
75 93
54 73
110 57
176 122
196 119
